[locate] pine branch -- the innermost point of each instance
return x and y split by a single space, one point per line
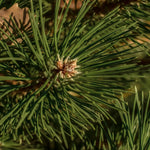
56 86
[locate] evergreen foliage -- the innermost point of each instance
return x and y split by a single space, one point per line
61 85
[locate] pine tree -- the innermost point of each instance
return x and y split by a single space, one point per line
65 85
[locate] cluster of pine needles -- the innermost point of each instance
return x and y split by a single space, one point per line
74 79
